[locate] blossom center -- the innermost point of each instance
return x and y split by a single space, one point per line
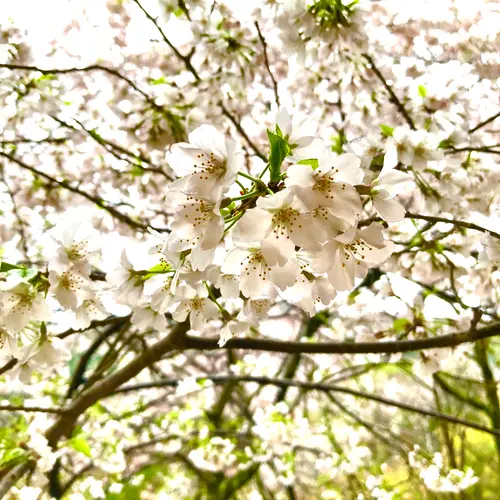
283 220
209 166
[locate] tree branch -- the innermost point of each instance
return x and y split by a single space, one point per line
13 476
185 59
92 67
482 124
64 425
98 201
221 379
394 97
468 225
390 347
268 67
242 132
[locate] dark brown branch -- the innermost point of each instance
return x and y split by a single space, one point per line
394 98
450 340
98 201
115 149
64 425
13 476
482 124
221 379
35 409
185 59
468 225
478 149
92 67
242 132
268 67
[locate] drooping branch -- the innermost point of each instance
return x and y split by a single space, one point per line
394 97
221 379
83 69
468 225
268 67
98 201
64 425
186 59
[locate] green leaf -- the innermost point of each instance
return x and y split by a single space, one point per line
422 91
401 324
338 142
279 151
5 267
137 171
310 161
386 130
80 444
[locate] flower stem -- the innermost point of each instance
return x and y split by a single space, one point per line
233 221
246 196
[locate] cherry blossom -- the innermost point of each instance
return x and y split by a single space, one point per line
208 164
195 304
351 254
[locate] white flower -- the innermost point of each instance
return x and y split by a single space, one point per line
412 148
159 287
196 304
384 189
231 329
8 345
280 224
321 294
145 317
50 352
299 135
27 493
77 244
247 261
228 284
22 304
88 311
330 185
197 217
351 254
208 165
25 366
199 257
70 287
493 250
128 284
256 310
39 444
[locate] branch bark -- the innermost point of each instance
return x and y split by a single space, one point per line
450 340
64 425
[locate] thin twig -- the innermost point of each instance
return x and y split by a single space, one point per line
394 98
482 124
98 201
185 59
242 132
268 67
221 379
36 409
468 225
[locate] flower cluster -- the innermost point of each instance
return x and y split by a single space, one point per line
295 232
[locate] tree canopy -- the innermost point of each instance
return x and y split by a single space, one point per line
249 250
